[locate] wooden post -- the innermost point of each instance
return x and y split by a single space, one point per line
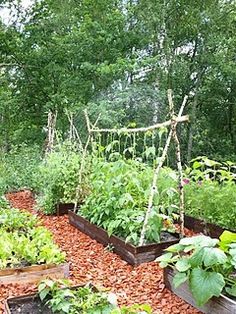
179 165
83 158
51 127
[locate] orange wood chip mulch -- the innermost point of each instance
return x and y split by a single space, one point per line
89 261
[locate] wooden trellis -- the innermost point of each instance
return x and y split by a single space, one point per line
173 122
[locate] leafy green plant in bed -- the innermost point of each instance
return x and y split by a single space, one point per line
59 178
212 201
18 168
34 247
202 168
12 219
119 197
208 265
85 300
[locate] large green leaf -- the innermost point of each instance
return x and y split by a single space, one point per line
231 290
179 278
200 240
164 259
175 248
196 258
205 284
226 239
182 265
213 256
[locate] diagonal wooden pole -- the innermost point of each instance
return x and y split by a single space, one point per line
157 171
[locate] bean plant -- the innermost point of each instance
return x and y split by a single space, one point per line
119 197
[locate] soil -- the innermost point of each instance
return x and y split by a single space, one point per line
166 236
32 306
90 262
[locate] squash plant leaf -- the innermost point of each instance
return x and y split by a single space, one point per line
182 265
200 240
179 278
204 285
226 239
231 290
213 256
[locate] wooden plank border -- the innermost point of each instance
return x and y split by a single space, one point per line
134 255
34 273
221 305
199 225
63 208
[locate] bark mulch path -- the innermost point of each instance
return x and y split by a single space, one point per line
89 261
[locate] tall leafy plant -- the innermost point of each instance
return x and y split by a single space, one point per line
212 201
18 168
119 196
59 177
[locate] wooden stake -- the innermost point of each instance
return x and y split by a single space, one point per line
83 158
51 126
179 165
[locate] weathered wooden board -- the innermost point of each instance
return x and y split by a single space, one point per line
33 273
130 253
221 305
198 225
62 209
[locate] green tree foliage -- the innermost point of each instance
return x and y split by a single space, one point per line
65 54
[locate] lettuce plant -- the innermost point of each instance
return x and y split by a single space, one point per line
12 219
35 247
23 242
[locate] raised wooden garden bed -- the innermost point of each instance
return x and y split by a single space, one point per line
134 255
221 305
62 209
34 273
198 225
30 303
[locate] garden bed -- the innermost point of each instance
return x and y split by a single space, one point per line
26 304
134 255
221 305
199 225
30 303
34 273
